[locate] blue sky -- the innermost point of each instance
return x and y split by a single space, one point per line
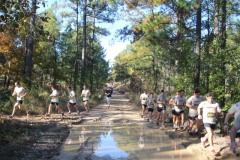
111 44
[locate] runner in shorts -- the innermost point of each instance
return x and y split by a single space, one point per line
20 92
161 101
72 100
143 99
54 101
193 103
108 94
235 130
85 94
172 102
150 103
210 109
180 102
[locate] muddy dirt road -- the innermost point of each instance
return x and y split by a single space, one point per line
119 133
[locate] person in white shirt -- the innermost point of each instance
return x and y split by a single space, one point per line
193 103
85 95
72 100
210 109
150 104
234 110
161 101
179 104
20 92
54 101
143 99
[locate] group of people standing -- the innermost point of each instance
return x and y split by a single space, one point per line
21 92
201 111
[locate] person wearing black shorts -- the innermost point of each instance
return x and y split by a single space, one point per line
161 101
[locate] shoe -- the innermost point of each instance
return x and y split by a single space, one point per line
141 116
197 134
11 116
203 142
48 114
163 126
69 112
62 113
148 119
87 110
233 146
213 151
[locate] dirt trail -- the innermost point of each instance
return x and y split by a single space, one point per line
48 134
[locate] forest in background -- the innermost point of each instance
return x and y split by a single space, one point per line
175 44
57 45
182 44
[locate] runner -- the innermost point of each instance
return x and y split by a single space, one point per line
172 102
85 94
20 92
72 101
179 103
150 103
234 132
161 101
54 101
144 99
108 94
210 109
193 103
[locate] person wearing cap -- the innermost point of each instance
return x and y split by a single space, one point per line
234 131
210 108
193 103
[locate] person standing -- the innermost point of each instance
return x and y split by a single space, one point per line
108 94
72 100
150 104
234 110
161 101
210 108
85 95
21 93
193 103
143 99
54 101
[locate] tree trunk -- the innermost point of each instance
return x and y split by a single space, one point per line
76 53
223 37
198 45
84 41
29 45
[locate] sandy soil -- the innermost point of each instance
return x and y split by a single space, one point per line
49 133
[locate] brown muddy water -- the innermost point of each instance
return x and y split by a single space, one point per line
109 140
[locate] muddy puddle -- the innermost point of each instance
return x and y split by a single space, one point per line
116 140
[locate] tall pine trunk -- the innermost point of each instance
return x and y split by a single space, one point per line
198 45
29 46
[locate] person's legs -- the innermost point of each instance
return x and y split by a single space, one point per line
232 134
182 119
69 108
76 108
163 117
49 109
143 110
14 108
59 109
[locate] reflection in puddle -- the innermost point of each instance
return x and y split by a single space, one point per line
118 141
108 146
